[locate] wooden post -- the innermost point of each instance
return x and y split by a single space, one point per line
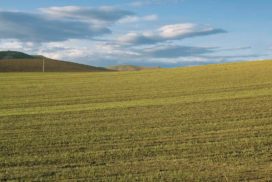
43 65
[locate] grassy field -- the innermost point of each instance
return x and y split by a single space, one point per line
207 123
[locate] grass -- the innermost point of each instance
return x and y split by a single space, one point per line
207 123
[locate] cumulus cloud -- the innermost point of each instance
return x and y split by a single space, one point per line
169 32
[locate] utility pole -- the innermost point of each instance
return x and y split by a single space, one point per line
43 65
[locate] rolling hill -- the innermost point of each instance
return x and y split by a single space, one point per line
11 61
130 68
204 123
14 55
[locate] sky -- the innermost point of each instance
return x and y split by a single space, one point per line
165 33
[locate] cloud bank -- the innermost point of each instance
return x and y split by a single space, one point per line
59 23
37 28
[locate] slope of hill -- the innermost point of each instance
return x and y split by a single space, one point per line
206 123
130 68
36 65
14 55
11 61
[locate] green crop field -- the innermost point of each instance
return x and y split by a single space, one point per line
206 123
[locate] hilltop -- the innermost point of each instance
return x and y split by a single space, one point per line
12 61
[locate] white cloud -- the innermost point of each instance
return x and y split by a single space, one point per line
181 30
12 44
86 51
169 32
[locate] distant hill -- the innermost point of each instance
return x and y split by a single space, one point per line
11 61
130 68
14 55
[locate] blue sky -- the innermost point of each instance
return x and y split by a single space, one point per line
165 33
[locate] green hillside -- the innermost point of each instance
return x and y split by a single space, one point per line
205 123
130 68
36 65
12 61
14 55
